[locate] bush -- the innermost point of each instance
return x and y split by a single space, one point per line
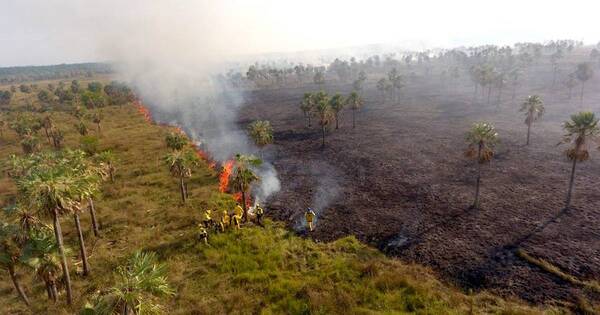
25 88
5 97
89 144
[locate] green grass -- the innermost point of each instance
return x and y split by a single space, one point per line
253 271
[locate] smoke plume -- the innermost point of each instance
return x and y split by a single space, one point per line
173 59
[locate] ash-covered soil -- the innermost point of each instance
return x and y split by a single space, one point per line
400 181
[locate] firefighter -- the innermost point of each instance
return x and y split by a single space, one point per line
203 235
207 219
259 214
225 220
238 212
310 216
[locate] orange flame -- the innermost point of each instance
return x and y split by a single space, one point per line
143 110
238 197
224 177
201 154
227 166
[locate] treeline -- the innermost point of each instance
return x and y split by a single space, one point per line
10 75
65 95
448 63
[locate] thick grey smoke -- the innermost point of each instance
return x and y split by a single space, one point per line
325 189
173 62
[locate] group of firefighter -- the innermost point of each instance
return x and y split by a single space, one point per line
234 220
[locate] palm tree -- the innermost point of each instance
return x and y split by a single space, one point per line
570 83
41 254
57 137
481 139
97 119
395 83
261 133
30 143
243 176
50 190
85 186
11 245
106 160
514 75
584 72
47 124
307 106
533 108
324 112
138 284
355 102
581 129
337 103
319 79
488 76
176 141
382 86
180 164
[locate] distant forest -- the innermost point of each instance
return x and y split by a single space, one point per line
11 75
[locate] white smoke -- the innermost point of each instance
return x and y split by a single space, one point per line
173 57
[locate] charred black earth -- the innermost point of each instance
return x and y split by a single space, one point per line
400 181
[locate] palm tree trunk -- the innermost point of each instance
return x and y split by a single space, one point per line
61 250
336 121
476 202
309 123
581 96
500 94
111 173
489 94
528 132
15 281
54 291
84 259
48 291
47 135
353 118
244 205
571 181
182 189
125 309
93 216
323 132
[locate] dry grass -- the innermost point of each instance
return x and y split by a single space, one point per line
550 268
252 271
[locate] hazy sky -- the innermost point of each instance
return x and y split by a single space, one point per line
63 31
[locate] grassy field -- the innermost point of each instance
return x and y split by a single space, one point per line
252 271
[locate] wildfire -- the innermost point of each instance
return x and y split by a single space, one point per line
224 178
227 166
201 154
143 110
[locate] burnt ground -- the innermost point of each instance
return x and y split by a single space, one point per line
400 181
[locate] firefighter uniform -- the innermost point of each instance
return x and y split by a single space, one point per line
207 219
309 215
259 214
225 220
203 235
238 212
